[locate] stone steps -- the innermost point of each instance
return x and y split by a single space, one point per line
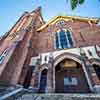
60 97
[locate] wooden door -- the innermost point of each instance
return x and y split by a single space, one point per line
71 80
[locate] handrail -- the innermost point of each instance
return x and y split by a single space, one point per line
5 96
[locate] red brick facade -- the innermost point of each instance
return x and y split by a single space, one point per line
32 41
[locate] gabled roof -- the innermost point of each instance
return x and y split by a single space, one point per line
67 18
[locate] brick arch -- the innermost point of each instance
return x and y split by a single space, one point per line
71 56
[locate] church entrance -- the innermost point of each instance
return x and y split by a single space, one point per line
70 78
43 81
97 70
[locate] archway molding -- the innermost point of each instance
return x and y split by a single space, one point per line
75 58
44 67
71 56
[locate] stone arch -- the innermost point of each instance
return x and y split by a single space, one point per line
43 78
72 57
42 67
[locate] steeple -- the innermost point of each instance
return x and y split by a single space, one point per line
37 10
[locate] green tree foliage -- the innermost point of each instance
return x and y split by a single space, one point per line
75 3
81 1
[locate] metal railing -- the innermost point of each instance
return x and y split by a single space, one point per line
16 93
10 94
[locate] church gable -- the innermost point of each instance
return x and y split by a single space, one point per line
62 19
74 31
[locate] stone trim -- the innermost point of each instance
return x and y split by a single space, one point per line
67 55
42 68
94 61
75 58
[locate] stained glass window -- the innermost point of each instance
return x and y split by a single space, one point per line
57 41
70 38
64 39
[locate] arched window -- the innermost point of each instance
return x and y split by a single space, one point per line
64 39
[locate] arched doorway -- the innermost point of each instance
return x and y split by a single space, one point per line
70 78
97 70
43 81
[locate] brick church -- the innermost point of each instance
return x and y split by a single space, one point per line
58 56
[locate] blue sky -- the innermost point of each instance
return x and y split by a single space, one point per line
11 10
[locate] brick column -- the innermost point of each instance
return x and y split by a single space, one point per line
50 74
95 79
35 79
85 65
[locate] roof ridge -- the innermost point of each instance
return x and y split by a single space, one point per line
56 18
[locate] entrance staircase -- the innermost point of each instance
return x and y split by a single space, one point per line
9 92
23 94
32 96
